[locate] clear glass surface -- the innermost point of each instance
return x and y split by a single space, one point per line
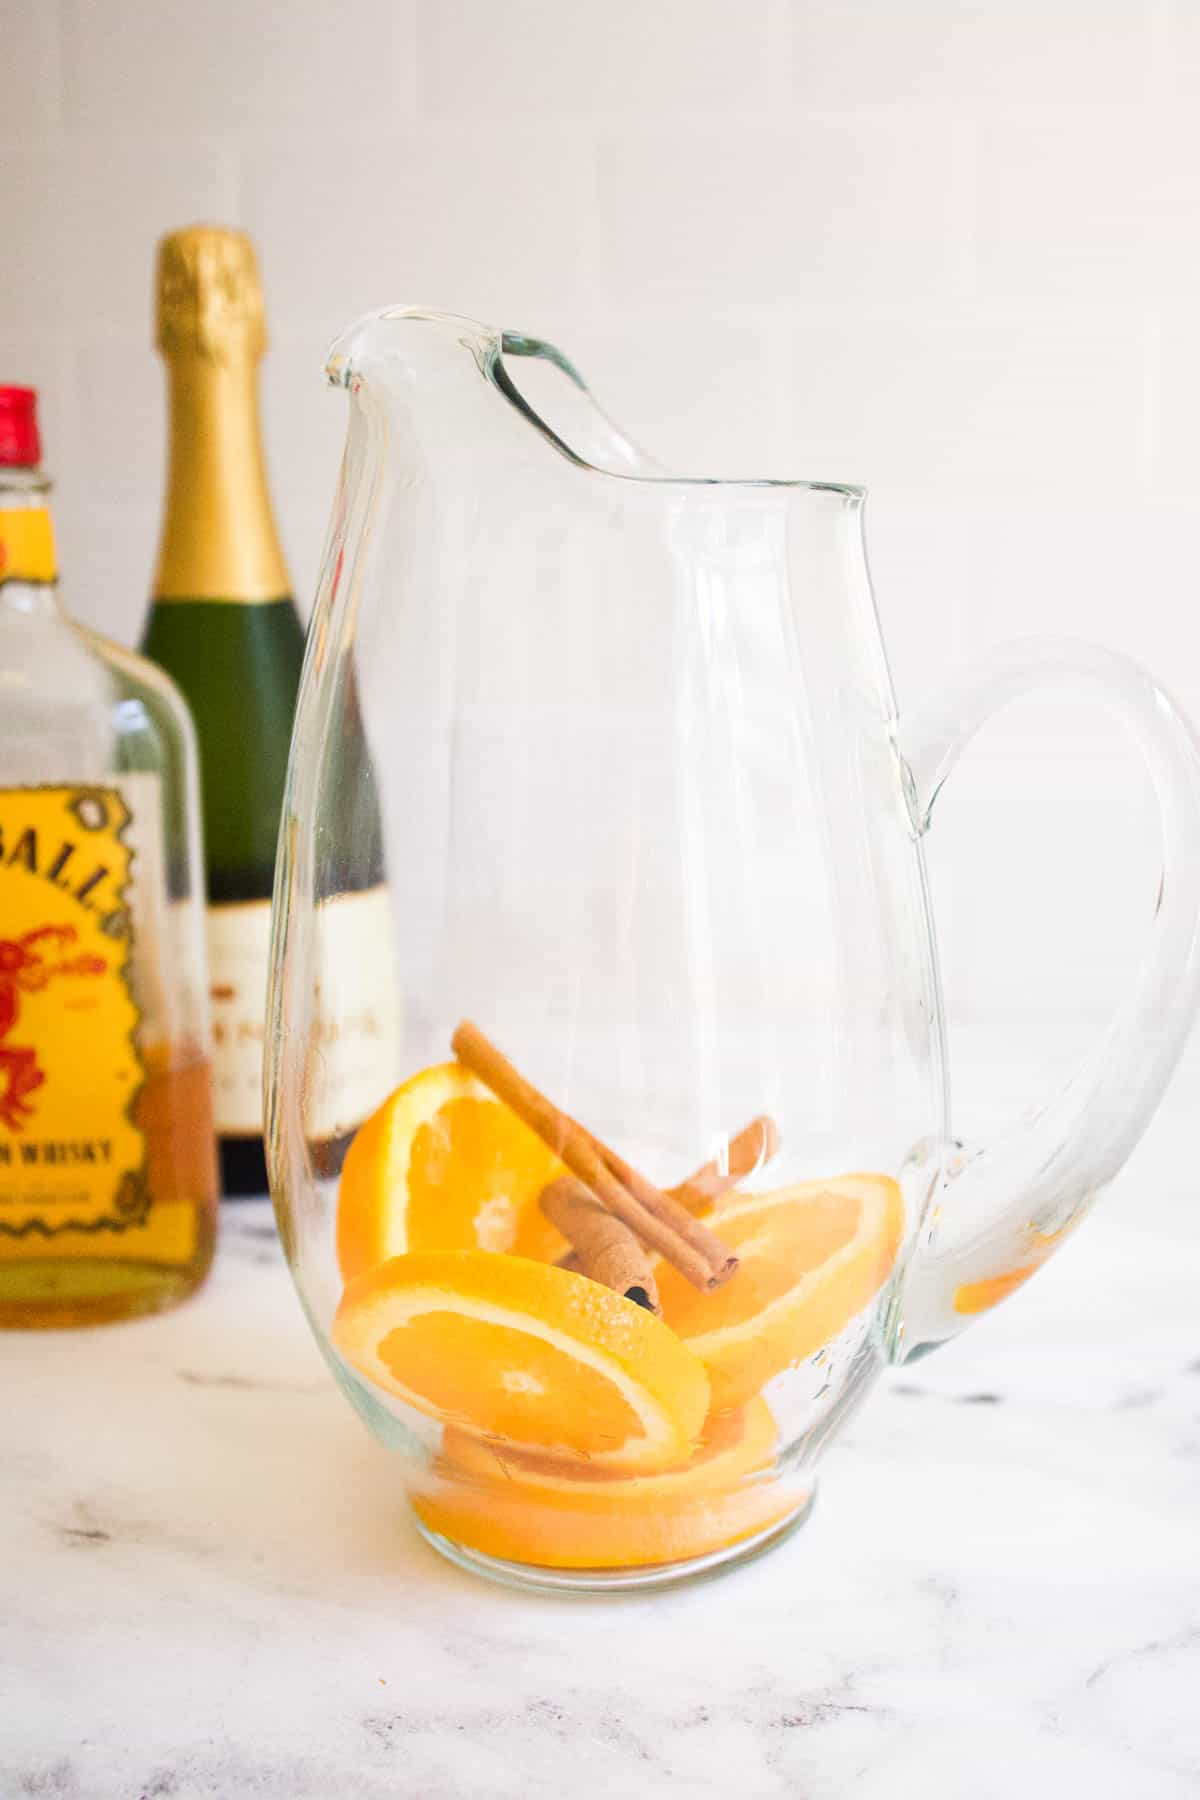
83 714
648 820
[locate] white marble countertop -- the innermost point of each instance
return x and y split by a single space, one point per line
210 1586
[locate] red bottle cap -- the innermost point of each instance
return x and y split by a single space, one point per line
20 445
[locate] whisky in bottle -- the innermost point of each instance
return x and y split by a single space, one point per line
108 1178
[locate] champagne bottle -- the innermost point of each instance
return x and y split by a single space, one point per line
223 623
108 1173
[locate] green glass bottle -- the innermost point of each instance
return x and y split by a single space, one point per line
224 625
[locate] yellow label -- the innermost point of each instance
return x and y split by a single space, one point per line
167 1235
71 1156
26 544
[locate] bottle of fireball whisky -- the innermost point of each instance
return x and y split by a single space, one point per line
108 1178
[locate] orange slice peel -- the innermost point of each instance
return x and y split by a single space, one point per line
531 1510
812 1256
443 1165
526 1353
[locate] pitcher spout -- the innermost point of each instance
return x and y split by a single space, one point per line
405 357
396 337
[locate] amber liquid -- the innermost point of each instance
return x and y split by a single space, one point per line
91 1278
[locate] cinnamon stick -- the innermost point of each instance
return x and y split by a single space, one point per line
754 1145
604 1248
661 1223
745 1152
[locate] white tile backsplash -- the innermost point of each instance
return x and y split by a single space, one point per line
122 418
919 558
967 402
86 211
304 422
1044 847
106 559
1175 403
231 67
1082 205
536 58
948 249
713 410
952 53
33 96
1123 574
1179 56
467 219
165 67
841 211
33 184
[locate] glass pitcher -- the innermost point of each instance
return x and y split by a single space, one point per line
659 1174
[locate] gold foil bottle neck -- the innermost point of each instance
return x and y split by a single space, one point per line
210 299
218 540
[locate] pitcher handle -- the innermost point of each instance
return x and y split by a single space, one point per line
1003 1209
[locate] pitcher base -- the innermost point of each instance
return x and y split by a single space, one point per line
532 1577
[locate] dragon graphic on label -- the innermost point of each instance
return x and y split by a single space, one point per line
27 964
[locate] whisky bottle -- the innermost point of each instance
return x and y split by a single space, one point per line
108 1178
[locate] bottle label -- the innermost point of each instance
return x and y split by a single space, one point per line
239 960
353 1042
71 1156
354 1047
26 544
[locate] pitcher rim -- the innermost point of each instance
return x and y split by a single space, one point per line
489 344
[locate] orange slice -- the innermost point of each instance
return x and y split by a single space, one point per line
980 1296
443 1165
811 1257
730 1444
532 1510
526 1352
